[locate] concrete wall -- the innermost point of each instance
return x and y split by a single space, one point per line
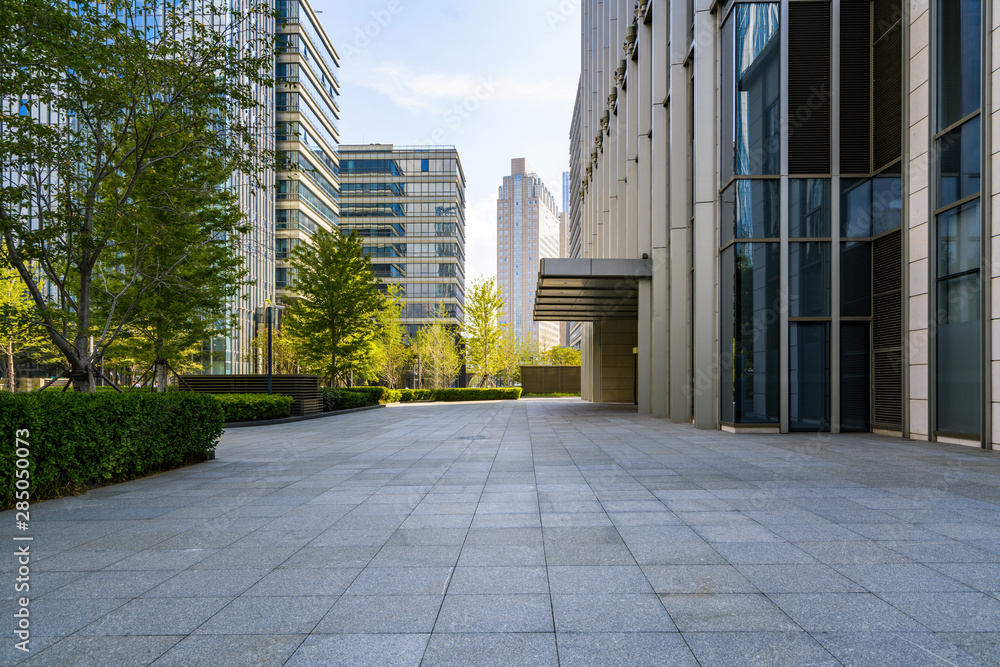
550 379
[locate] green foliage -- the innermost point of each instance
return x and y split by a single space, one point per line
472 394
333 323
254 407
78 441
377 395
341 399
284 360
392 355
553 395
563 356
440 360
103 210
19 330
409 395
483 330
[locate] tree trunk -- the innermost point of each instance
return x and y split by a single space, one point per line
11 382
161 367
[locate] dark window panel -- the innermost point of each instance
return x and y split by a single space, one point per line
809 90
809 376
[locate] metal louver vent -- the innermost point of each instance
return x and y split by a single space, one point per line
855 87
887 331
809 89
887 84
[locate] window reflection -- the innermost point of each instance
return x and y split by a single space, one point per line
758 117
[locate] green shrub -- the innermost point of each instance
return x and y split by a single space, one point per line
376 395
408 395
77 441
499 393
340 399
254 407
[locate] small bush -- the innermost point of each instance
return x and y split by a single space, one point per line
254 407
340 399
377 395
494 394
409 395
78 441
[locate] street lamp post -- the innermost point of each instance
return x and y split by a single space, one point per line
270 320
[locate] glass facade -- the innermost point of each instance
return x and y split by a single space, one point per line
750 225
408 205
958 237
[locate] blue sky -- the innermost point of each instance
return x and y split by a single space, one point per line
497 80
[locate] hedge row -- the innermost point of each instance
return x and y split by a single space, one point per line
408 395
254 407
471 394
78 441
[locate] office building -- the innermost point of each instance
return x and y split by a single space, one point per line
574 192
783 213
527 229
408 205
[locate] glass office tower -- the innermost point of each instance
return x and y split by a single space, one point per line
408 205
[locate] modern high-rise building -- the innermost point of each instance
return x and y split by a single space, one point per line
784 209
307 133
527 230
302 125
408 205
574 192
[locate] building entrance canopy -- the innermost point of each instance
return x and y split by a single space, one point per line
587 290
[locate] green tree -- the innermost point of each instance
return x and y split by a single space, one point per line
131 101
333 321
514 353
176 310
392 354
440 359
284 359
483 331
563 356
19 330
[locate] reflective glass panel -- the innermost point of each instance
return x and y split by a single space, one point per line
751 210
856 279
809 202
959 240
809 279
887 204
959 163
751 336
809 376
959 54
856 208
758 74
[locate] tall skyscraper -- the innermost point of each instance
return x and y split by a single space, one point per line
302 124
527 229
408 205
308 196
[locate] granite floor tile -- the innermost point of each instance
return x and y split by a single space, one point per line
486 649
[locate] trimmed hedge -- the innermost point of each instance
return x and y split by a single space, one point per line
377 395
408 395
79 441
254 407
340 399
494 394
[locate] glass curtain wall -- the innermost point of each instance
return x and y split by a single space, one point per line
750 216
958 218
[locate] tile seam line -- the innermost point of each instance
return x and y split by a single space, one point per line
482 412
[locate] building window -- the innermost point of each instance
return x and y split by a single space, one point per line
958 218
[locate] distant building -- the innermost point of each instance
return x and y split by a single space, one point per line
572 200
527 229
408 205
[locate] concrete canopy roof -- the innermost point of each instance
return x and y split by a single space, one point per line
587 290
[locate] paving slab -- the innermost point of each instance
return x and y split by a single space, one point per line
536 532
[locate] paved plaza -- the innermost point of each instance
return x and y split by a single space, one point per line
542 531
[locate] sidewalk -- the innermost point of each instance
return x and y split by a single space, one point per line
541 531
